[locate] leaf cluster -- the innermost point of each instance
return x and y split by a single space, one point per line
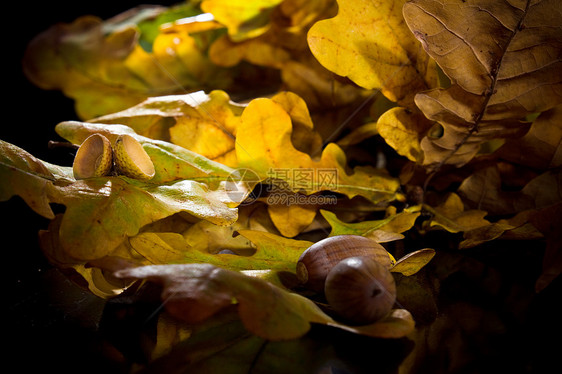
274 123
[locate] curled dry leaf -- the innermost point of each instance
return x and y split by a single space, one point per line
503 60
541 147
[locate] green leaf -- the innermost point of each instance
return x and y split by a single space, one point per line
273 252
28 177
103 212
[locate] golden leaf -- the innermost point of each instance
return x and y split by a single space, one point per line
369 43
264 145
452 216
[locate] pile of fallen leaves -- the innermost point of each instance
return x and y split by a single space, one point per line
274 123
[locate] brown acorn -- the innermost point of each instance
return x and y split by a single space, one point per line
315 262
360 290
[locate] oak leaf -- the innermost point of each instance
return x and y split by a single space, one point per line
541 147
452 216
503 60
271 252
263 144
370 44
103 212
204 124
102 65
483 189
383 230
244 19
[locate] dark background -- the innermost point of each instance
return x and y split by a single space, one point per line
50 323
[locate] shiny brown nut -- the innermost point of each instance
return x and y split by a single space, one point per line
360 290
316 261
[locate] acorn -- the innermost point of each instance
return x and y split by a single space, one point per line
94 158
360 290
131 159
317 260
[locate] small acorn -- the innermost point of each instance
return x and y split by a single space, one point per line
94 158
360 290
316 261
131 159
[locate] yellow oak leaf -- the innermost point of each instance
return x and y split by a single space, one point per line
203 123
370 43
263 144
104 68
291 219
243 18
452 216
403 130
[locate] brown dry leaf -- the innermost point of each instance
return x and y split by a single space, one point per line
503 62
548 222
483 190
541 147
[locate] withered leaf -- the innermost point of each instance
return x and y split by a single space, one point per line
503 62
541 147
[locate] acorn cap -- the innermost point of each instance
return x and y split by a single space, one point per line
131 159
94 158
